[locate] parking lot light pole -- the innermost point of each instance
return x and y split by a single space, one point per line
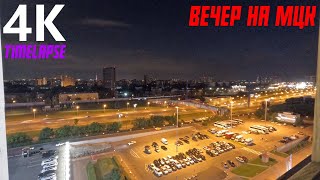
231 112
104 108
34 113
77 110
177 127
265 109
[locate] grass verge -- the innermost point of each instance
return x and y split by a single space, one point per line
106 169
253 168
282 154
91 172
248 170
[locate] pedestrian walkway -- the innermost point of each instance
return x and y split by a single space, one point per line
251 150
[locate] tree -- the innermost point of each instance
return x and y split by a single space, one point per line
114 127
115 174
259 113
156 121
95 128
64 131
75 122
19 138
140 123
46 133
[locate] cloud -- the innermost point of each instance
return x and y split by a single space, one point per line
104 23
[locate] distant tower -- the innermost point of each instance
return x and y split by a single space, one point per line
96 77
109 77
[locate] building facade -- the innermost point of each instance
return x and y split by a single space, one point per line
109 77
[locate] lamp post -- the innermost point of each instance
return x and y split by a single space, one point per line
265 109
34 113
231 103
148 104
77 110
177 129
104 108
135 106
128 105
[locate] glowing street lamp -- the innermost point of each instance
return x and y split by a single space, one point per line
34 113
104 108
128 105
77 110
135 106
148 104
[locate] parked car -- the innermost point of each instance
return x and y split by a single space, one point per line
164 148
131 142
231 163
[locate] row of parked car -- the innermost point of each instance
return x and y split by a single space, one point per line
168 164
49 165
287 139
219 147
231 135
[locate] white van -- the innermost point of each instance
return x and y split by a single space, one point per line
164 141
248 141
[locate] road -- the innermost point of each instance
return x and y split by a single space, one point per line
25 123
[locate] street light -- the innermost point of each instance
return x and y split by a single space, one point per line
265 109
104 108
135 105
34 113
77 110
231 103
148 104
128 105
177 129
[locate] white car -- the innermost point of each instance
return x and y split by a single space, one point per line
158 172
152 166
240 159
52 176
190 160
165 160
50 165
178 165
60 144
168 168
53 168
187 162
49 162
164 170
131 142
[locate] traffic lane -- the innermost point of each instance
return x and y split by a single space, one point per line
32 125
25 168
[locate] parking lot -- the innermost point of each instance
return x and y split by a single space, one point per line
30 167
137 160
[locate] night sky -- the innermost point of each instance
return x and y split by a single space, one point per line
152 37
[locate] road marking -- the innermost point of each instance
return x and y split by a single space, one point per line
33 165
251 150
139 152
134 154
